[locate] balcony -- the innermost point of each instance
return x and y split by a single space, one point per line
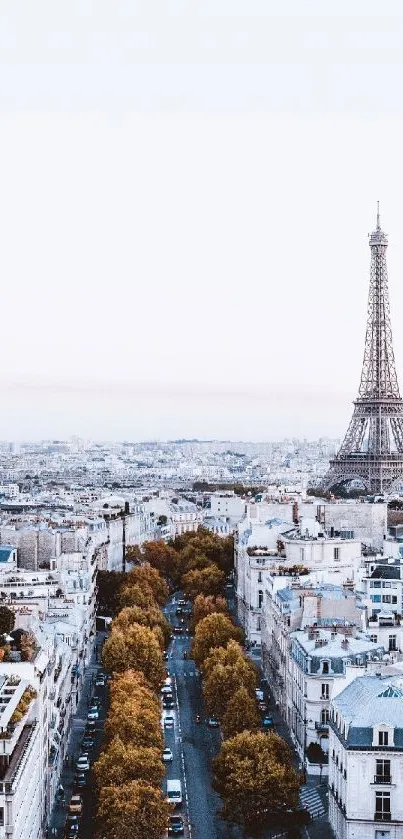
322 726
382 779
383 817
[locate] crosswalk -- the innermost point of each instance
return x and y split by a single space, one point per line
311 800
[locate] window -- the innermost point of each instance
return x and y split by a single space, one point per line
302 554
324 716
382 806
373 638
383 738
325 667
386 598
376 584
394 598
386 585
392 643
382 774
336 553
260 598
2 816
325 691
259 577
376 598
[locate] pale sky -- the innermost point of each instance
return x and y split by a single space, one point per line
185 195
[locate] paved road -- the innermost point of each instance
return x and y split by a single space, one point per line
194 745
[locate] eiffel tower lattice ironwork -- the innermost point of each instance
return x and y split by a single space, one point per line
372 449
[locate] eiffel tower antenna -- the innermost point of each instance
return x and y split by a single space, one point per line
372 450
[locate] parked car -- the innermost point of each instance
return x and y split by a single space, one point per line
90 727
76 804
100 682
262 706
73 823
83 763
176 826
212 722
268 722
165 656
166 689
169 721
87 742
168 703
167 755
178 629
93 713
80 780
182 602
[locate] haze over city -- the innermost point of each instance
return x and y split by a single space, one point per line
185 201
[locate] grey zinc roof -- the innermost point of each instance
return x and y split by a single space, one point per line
369 701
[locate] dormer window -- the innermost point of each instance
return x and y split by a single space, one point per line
325 667
383 736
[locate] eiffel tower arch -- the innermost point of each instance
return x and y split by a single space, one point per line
372 450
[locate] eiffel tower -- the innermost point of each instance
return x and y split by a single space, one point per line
372 450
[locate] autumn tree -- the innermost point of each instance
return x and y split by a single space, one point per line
209 580
109 584
147 577
160 556
132 811
151 617
131 595
207 604
222 681
122 762
217 549
7 620
241 714
255 778
215 630
138 649
134 712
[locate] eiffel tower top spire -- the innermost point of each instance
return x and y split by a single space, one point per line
378 221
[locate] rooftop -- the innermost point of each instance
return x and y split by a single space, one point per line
370 701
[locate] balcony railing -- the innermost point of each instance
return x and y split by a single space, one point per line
322 726
382 817
382 779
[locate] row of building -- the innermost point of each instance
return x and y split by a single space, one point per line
319 591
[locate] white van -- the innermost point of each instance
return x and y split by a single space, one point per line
174 792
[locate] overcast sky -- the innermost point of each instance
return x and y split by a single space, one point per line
185 195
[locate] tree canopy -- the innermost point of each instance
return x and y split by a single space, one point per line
132 811
208 580
215 630
151 617
137 648
241 714
255 778
121 762
222 682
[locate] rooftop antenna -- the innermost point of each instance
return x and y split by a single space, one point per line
378 223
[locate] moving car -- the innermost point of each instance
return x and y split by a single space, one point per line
169 721
178 629
167 755
168 703
80 780
93 713
176 826
212 722
174 792
87 742
166 689
83 763
76 804
100 681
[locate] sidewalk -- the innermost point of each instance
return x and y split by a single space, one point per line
78 722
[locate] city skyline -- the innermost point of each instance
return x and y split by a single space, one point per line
184 216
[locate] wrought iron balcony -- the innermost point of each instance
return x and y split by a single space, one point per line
322 726
382 779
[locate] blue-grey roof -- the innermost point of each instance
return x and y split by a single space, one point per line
386 572
370 701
